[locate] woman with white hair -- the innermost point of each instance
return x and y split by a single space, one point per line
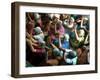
59 28
39 36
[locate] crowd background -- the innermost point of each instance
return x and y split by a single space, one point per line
57 39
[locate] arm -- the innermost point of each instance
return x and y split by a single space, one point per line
30 45
64 56
30 18
55 28
86 39
59 41
29 37
53 45
82 22
60 45
76 34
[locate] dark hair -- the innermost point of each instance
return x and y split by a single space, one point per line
71 54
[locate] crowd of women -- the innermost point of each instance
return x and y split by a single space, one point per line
57 39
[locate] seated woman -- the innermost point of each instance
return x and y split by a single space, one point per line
50 45
53 51
34 53
70 56
39 36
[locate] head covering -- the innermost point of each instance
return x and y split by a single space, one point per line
37 16
71 54
37 30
